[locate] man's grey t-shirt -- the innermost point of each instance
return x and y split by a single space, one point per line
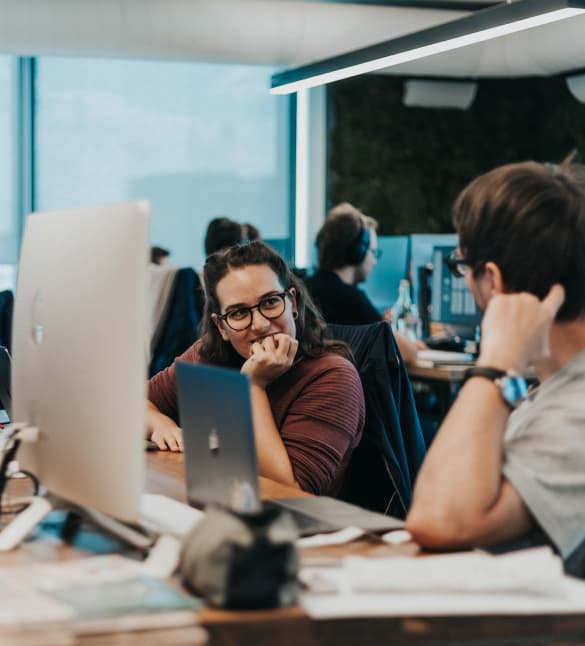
544 455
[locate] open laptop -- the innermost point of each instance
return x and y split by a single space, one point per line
220 455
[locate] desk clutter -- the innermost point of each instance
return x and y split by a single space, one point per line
95 594
525 582
242 560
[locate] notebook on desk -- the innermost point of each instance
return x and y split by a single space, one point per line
220 455
443 358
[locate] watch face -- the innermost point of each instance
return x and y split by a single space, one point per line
514 389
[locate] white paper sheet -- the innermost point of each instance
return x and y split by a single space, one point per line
331 593
532 571
333 538
397 537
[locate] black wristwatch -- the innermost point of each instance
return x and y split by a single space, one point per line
513 387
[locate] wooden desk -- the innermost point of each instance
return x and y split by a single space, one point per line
165 475
291 626
436 388
449 373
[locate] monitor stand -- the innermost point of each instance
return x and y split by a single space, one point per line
23 523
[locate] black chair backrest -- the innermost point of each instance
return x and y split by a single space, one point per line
181 326
5 389
383 467
6 309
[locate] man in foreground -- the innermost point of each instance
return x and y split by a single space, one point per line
507 465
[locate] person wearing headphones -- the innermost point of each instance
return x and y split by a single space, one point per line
347 245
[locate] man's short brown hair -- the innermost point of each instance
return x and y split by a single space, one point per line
529 219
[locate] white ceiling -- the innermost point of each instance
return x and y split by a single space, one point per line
270 32
551 49
283 33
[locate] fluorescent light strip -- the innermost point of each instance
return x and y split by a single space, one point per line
428 50
302 180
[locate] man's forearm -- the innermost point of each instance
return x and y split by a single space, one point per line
460 479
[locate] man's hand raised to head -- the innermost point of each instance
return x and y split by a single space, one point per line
515 329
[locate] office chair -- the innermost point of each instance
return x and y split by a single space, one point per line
382 469
181 324
6 309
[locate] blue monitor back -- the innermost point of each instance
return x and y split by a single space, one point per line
451 300
281 245
384 279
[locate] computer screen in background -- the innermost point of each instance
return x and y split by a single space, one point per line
451 301
280 245
384 279
421 254
79 355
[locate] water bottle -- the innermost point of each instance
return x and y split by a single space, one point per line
405 318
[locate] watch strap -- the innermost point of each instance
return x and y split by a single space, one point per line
484 371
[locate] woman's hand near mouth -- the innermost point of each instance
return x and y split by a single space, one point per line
270 357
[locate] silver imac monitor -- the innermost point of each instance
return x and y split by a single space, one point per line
79 354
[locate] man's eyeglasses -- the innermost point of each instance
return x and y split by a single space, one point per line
455 263
377 253
271 307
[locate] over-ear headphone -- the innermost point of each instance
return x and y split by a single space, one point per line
358 249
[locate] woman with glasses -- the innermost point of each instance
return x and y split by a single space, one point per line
307 399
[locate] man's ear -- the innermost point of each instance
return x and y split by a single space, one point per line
495 280
219 325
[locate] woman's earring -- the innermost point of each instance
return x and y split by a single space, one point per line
295 315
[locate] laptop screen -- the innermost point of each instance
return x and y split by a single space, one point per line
220 455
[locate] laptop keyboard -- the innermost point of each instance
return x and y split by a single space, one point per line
320 514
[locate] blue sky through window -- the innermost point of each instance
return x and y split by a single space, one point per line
198 140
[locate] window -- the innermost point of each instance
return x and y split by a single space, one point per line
196 140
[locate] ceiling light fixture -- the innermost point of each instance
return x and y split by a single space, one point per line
480 26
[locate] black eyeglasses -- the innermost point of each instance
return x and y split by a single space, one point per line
377 253
271 307
455 263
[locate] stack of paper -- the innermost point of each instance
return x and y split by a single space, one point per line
536 571
524 582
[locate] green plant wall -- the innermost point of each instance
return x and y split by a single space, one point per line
405 166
